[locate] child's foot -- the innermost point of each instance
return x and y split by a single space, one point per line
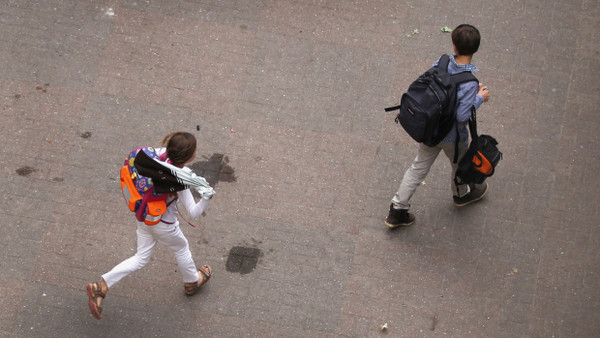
204 273
96 292
477 192
399 218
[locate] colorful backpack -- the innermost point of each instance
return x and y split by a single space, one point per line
139 191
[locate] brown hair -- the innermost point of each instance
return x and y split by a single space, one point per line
466 38
181 147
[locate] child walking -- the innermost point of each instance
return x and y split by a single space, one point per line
180 148
465 39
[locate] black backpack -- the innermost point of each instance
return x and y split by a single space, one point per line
480 161
428 108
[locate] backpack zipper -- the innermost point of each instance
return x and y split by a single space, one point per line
437 96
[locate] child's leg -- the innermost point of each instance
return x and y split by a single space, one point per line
415 175
145 248
171 236
449 150
97 291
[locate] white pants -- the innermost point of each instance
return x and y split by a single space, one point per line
420 168
167 234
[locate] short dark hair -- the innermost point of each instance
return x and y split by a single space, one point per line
466 38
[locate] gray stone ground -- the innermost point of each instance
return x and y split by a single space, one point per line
289 96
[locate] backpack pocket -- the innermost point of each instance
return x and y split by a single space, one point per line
131 194
154 212
482 164
151 207
412 118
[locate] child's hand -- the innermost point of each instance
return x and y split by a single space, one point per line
484 92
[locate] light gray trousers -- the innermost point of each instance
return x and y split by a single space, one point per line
420 168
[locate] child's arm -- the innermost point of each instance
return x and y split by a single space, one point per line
189 203
467 98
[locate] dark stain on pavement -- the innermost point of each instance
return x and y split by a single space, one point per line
86 134
44 88
434 322
25 171
215 169
242 259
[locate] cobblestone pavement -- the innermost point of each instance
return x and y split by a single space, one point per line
289 97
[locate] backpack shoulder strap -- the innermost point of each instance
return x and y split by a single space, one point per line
443 62
458 78
473 124
463 77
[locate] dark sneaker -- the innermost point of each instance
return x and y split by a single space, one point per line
399 218
477 193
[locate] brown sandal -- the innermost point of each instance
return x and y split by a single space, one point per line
94 291
205 271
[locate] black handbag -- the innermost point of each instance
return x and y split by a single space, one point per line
481 159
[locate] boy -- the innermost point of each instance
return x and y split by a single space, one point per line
465 39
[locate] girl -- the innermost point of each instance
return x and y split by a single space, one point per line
180 149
